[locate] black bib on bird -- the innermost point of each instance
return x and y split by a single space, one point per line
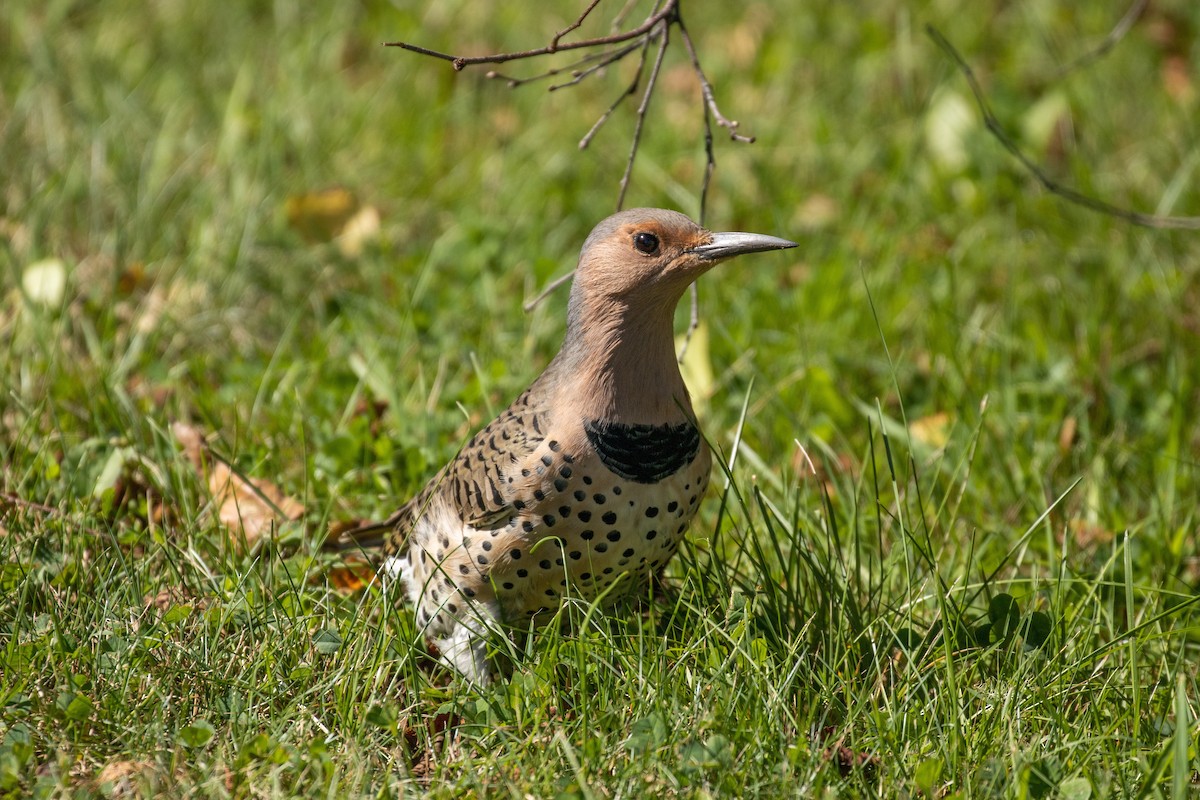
644 453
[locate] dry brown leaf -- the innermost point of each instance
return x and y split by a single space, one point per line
352 576
440 727
250 507
16 233
116 779
1066 434
848 760
1177 79
173 596
255 505
133 278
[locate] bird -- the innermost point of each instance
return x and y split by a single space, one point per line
585 485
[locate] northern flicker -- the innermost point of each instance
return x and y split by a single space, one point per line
585 485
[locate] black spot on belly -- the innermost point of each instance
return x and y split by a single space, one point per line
644 453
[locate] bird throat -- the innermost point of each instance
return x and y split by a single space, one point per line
644 453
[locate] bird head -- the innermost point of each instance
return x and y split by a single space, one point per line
654 254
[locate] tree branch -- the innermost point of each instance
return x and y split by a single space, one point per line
665 13
573 26
641 112
498 58
707 91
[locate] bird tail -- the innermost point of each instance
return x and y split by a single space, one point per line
359 535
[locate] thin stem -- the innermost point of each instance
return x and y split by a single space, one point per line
633 86
550 287
693 320
1110 41
707 90
574 25
611 58
641 112
710 166
606 57
1071 195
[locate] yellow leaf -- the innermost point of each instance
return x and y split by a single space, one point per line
321 216
696 367
45 281
361 228
933 430
948 124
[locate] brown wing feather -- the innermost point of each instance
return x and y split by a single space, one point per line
478 483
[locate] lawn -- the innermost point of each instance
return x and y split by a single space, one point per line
952 546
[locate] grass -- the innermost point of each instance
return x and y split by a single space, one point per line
985 584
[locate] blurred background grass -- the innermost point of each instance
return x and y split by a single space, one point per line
152 148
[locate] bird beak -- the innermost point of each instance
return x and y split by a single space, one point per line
728 245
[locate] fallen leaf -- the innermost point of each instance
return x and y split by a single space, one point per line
352 576
1046 124
1066 434
848 760
437 730
254 506
803 464
132 278
948 124
696 368
933 430
251 507
18 235
45 281
173 596
321 216
116 779
360 229
192 442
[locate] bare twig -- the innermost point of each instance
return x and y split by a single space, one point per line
619 18
8 498
707 90
693 320
530 305
656 27
1050 185
632 90
1110 41
573 26
575 68
651 81
710 165
498 58
610 58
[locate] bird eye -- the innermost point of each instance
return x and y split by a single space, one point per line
646 243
